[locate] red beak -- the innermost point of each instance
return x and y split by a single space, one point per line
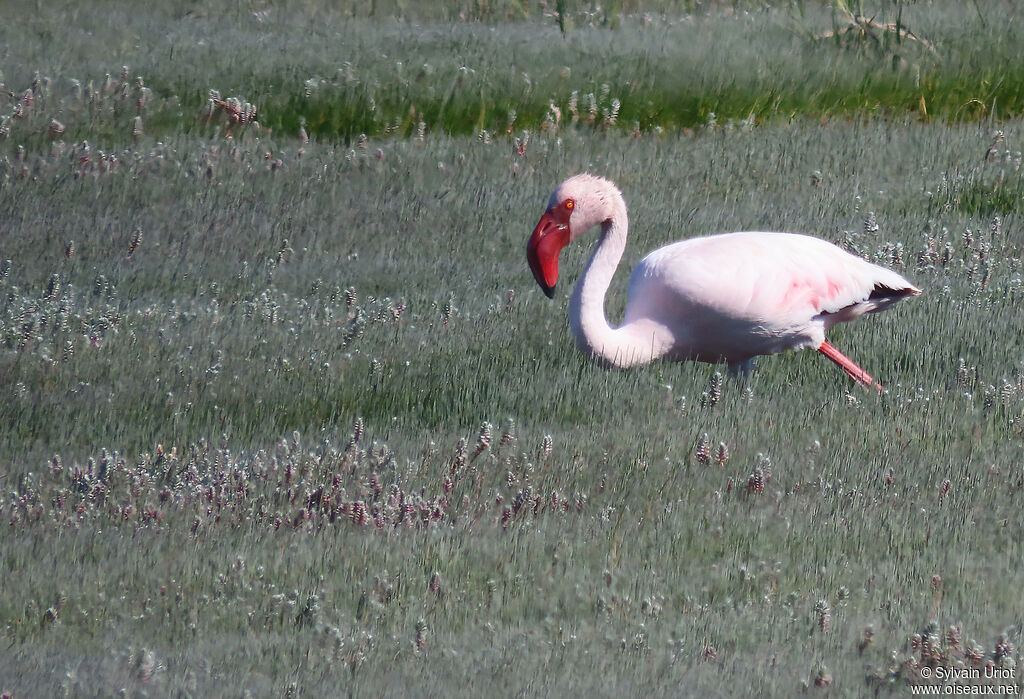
547 241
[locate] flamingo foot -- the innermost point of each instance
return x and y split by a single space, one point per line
846 364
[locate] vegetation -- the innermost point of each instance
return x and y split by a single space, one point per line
362 72
286 414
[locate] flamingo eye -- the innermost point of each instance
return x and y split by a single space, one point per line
569 204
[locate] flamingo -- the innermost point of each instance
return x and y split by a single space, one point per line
728 297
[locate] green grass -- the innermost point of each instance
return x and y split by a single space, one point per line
365 72
315 431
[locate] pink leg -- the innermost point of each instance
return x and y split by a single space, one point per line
846 364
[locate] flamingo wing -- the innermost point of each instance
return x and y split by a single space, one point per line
742 294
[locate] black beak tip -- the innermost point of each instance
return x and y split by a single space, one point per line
549 291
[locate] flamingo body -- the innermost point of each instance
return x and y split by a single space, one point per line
739 295
728 297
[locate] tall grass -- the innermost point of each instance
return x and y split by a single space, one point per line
344 74
291 417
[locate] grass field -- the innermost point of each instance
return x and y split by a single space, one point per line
289 416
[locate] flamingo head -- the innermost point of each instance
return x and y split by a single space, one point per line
579 203
553 232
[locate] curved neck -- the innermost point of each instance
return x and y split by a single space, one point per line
621 347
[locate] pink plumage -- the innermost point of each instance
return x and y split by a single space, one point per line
728 297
